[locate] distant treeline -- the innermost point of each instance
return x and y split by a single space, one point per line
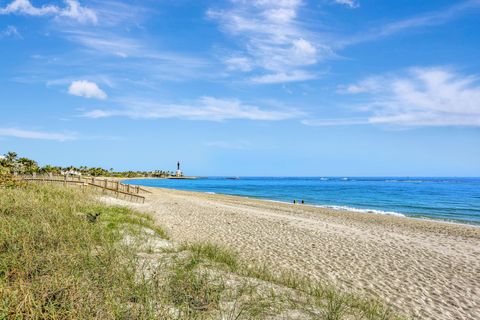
11 163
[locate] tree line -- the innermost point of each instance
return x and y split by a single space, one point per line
11 163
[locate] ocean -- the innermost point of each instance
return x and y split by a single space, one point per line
449 199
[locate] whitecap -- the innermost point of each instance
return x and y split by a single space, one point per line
362 210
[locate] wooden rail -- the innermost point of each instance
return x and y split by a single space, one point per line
116 187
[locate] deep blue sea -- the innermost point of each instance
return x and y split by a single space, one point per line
451 199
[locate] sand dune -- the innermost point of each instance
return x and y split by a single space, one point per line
429 270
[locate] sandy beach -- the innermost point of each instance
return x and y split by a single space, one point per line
424 269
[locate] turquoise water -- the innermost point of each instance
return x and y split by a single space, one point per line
452 199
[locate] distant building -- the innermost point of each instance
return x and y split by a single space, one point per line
178 173
71 173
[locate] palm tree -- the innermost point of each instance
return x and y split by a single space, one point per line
27 165
9 161
11 157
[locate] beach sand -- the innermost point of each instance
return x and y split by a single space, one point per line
425 269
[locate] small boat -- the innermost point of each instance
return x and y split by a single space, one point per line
232 178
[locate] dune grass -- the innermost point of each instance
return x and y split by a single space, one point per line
63 256
56 263
331 302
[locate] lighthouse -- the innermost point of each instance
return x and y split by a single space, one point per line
179 172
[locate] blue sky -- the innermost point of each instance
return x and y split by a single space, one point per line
237 87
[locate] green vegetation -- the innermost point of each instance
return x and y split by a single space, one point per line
10 162
308 297
55 263
64 255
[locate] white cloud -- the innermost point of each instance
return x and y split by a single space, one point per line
280 15
349 3
303 52
419 97
273 38
86 89
434 97
25 7
32 134
72 10
206 108
10 31
75 11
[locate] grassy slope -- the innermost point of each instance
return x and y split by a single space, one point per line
63 255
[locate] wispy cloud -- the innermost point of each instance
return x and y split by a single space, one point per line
114 59
33 134
10 31
349 3
72 10
277 46
371 84
129 15
206 108
297 75
428 19
234 63
275 43
418 97
104 43
87 89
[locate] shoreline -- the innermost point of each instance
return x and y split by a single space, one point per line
331 207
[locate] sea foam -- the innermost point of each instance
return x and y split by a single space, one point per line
393 213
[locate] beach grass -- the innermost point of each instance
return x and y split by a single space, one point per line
64 255
331 302
55 262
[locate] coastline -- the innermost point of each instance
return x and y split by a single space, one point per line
331 207
424 268
367 211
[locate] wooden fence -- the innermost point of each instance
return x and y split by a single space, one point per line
106 186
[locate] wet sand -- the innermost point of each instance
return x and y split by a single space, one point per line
425 269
